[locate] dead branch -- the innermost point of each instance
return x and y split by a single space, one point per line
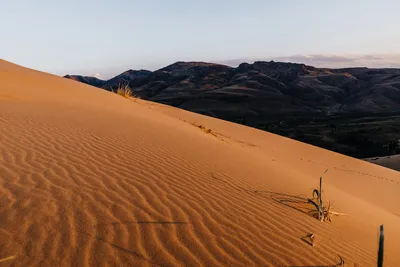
7 258
324 213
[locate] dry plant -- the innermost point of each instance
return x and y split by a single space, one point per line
205 129
324 213
309 239
135 98
7 258
125 91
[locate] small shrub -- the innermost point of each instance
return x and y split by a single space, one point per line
124 90
205 129
324 213
202 127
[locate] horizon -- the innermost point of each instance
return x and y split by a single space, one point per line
234 64
101 39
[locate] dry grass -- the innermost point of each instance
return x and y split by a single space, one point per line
324 213
125 91
7 259
205 129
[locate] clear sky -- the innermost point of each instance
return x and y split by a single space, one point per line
110 36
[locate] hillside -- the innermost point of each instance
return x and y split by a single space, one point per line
353 111
89 178
392 162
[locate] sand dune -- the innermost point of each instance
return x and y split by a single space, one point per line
89 178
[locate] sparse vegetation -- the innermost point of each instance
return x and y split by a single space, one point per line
324 213
125 91
205 129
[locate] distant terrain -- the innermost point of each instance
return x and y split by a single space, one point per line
392 162
354 111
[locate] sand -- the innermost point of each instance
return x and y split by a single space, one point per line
89 178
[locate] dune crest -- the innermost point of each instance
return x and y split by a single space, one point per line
89 178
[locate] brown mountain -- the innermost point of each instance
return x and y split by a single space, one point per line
354 111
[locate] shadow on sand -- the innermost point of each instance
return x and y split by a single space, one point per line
156 223
153 222
298 203
128 251
339 264
120 248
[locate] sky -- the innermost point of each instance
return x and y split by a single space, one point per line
105 37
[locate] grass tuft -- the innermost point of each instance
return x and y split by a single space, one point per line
204 129
324 213
125 91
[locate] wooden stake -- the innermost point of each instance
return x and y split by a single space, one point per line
380 250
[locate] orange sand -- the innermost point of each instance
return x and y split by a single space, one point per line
89 178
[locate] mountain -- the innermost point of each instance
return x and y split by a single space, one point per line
86 79
354 111
126 77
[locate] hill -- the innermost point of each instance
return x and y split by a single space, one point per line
392 162
353 111
89 178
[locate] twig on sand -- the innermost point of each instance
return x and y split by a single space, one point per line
337 213
341 263
7 259
311 238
